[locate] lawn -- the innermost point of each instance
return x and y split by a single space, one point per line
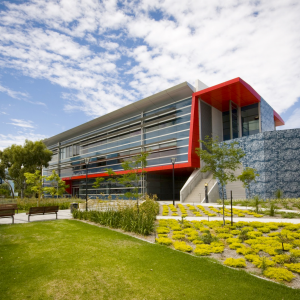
69 259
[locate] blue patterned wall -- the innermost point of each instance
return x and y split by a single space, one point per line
276 157
267 116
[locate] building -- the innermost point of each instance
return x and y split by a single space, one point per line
170 124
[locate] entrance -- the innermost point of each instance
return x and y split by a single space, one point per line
75 192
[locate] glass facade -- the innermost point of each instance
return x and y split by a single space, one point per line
163 131
247 116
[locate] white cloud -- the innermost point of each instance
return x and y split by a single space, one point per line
7 140
293 121
13 94
140 54
22 123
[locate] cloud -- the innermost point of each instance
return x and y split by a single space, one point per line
107 55
293 121
13 94
7 140
22 123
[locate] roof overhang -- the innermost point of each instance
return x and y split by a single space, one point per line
278 119
180 91
236 90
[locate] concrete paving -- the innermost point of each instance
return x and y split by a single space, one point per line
23 218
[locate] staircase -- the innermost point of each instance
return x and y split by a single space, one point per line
197 194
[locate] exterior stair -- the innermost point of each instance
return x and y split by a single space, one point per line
198 192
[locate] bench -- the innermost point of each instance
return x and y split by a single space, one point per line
9 206
42 211
7 213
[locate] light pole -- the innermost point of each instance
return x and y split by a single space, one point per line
22 187
173 160
86 160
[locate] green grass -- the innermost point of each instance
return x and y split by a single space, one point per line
68 259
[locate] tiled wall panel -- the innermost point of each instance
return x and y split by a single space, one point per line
276 157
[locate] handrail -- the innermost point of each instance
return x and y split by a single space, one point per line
191 183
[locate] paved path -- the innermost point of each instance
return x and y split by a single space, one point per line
23 218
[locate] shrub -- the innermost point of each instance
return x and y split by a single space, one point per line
234 246
208 238
251 257
164 241
254 234
236 263
126 218
281 258
263 263
203 250
293 267
162 230
224 235
182 246
245 250
295 252
235 232
264 229
279 274
218 249
233 240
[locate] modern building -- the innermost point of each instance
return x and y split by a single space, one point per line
170 124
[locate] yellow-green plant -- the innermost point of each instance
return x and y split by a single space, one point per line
293 267
235 262
182 246
164 241
279 274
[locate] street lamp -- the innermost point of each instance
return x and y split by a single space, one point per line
22 187
173 160
86 160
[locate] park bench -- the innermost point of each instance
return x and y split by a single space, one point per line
42 211
9 206
7 213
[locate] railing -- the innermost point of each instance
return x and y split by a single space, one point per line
191 183
212 182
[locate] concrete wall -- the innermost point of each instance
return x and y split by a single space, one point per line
217 124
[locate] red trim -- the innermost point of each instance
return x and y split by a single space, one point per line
68 182
278 119
150 169
236 90
194 137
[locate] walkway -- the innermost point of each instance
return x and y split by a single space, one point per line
23 218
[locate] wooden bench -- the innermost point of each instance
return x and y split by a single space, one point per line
9 206
42 211
7 213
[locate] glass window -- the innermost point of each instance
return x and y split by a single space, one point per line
250 119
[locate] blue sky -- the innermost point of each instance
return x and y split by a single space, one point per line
63 63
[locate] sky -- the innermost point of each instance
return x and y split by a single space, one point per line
63 63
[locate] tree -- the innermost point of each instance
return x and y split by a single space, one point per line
32 156
4 190
135 170
35 182
58 186
110 178
249 175
221 159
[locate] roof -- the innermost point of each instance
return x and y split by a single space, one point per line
236 90
177 92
